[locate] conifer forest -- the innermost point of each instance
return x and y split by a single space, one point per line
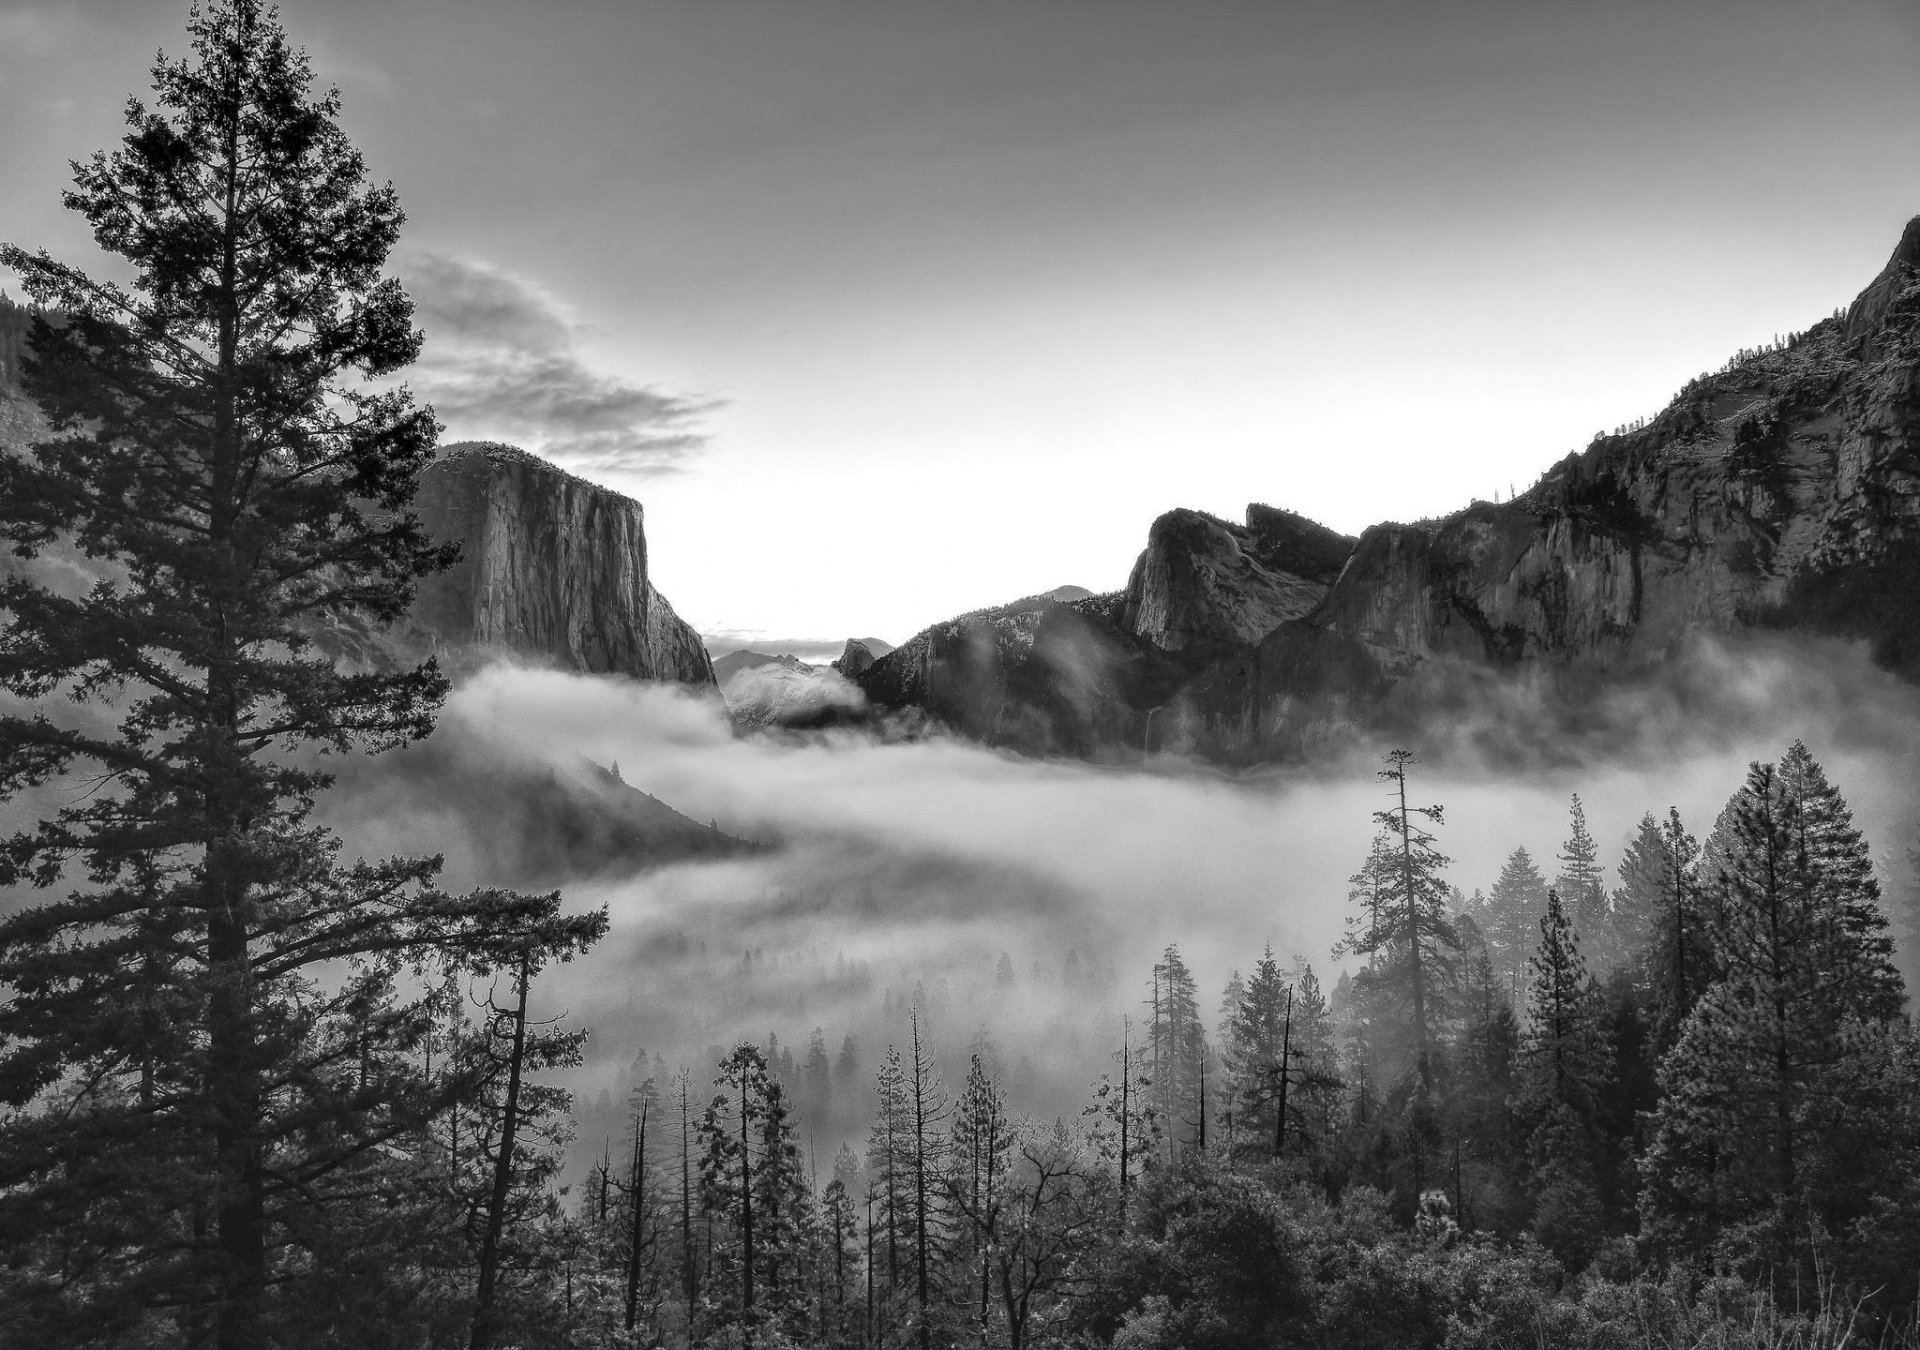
262 1088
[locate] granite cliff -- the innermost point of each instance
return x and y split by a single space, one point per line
1780 492
552 567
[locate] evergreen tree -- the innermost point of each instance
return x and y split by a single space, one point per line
752 1185
519 1127
1256 1055
1484 1089
1178 1042
1126 1129
1405 928
927 1152
1512 922
1641 900
816 1082
889 1166
205 1046
1758 1085
983 1142
1566 1066
1564 1055
1581 884
1314 1052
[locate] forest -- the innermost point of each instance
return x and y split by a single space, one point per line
256 1093
1673 1110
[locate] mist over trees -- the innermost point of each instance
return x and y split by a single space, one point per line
256 1094
1566 1170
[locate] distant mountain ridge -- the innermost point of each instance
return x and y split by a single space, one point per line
1782 491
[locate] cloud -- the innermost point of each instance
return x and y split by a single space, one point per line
909 864
502 362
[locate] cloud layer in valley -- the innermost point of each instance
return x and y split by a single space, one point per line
502 362
913 864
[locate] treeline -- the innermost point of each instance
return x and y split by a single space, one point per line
1681 1106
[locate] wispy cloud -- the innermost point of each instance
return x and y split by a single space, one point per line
502 362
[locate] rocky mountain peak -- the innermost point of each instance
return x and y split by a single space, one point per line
552 567
1868 314
1781 491
1205 581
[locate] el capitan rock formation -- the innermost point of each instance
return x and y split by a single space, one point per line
1780 492
552 568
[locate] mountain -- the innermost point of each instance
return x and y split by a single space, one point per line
725 667
553 568
1780 492
859 653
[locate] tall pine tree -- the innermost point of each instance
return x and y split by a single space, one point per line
1403 924
1582 887
1512 922
1756 1091
208 1024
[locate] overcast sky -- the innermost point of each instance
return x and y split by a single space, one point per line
889 310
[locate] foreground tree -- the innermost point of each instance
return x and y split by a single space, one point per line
752 1186
1566 1068
1762 1094
194 1107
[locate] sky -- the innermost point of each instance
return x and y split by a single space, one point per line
889 310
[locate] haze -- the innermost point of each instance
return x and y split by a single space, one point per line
916 863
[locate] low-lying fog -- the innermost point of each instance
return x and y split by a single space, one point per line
904 865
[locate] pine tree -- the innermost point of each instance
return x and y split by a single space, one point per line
1565 1059
1315 1055
889 1167
214 451
983 1153
1757 1087
519 1128
1513 918
928 1107
752 1184
1641 900
1484 1089
1126 1128
1178 1041
1261 1058
816 1082
1581 886
1404 926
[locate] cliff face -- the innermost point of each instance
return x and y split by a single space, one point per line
551 567
1780 492
1037 675
1204 581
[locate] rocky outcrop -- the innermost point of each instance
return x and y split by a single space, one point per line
1202 581
552 567
859 654
1782 491
1036 675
